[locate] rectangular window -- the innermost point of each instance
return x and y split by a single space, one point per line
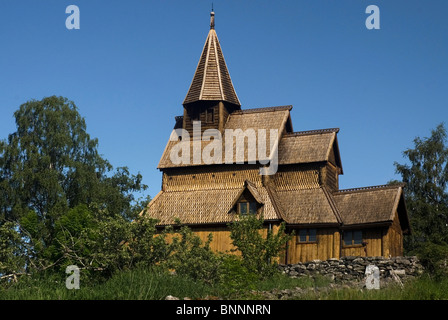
243 208
352 237
252 207
307 235
357 237
302 235
312 235
247 208
348 238
209 115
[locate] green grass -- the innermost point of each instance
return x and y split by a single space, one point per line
154 285
423 288
129 285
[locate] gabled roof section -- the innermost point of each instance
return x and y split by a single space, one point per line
310 146
307 207
275 118
372 205
211 80
206 206
252 190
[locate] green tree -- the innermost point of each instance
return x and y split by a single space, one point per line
55 187
258 251
192 257
426 177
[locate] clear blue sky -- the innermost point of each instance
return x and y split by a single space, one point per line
130 65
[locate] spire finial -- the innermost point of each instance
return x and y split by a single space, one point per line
212 19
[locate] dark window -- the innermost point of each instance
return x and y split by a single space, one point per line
252 207
209 116
348 236
357 237
302 235
353 237
247 208
307 235
243 208
312 235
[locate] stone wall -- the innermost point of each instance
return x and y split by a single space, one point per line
349 269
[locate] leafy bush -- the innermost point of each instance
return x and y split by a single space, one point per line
258 252
234 276
193 258
434 258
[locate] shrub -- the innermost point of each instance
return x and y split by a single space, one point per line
259 252
234 276
434 258
193 258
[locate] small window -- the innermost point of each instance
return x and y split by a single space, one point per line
312 235
243 208
209 115
357 237
247 208
252 207
352 237
307 235
302 235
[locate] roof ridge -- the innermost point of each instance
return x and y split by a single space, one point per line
309 132
265 109
370 188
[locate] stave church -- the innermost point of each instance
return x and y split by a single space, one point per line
294 181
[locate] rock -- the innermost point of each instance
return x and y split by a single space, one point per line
293 273
170 297
399 272
351 269
311 266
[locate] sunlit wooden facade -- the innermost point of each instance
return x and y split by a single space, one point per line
304 192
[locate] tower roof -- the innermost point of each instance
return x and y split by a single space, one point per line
211 80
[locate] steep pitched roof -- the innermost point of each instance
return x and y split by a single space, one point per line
205 206
254 119
370 205
211 80
307 206
309 146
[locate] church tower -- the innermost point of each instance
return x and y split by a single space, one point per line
211 96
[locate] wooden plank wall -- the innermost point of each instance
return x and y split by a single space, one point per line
326 246
373 244
221 237
329 177
378 242
394 238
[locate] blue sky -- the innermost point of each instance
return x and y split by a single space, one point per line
129 66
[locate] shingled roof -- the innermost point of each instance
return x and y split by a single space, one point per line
206 206
211 80
310 146
372 205
307 206
256 119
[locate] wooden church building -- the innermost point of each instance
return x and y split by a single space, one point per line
303 192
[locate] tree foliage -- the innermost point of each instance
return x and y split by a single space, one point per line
426 177
56 191
62 203
259 247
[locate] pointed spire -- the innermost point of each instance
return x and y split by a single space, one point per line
211 80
